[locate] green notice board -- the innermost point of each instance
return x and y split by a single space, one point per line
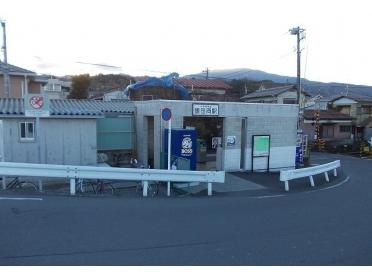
261 146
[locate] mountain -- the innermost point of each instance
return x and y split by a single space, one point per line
312 87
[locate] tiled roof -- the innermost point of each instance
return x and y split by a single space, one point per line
271 92
69 107
203 83
309 114
358 97
15 70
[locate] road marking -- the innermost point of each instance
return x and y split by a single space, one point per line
331 187
337 185
21 199
272 196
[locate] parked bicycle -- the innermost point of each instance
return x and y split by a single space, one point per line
84 186
21 185
152 189
97 186
104 187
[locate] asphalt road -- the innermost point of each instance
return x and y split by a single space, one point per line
326 227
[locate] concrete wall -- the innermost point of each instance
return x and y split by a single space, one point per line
231 154
283 133
61 141
278 121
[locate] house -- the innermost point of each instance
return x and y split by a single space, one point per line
74 133
358 106
108 96
333 125
55 88
206 89
278 95
20 81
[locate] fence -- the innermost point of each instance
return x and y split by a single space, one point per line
287 175
145 175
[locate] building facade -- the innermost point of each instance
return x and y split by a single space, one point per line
240 123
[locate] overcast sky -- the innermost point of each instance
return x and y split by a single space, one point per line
186 36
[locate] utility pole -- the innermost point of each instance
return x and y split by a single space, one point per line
298 31
207 73
5 66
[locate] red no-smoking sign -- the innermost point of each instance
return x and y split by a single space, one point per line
37 102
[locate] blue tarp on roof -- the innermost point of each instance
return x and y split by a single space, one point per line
166 81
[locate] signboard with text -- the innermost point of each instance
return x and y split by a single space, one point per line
36 105
205 110
261 146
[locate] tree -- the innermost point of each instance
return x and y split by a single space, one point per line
80 86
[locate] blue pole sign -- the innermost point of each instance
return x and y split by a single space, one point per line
166 114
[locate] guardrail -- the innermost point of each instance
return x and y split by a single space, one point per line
145 175
287 175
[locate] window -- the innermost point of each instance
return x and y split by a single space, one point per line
345 129
27 131
147 97
328 131
53 87
366 109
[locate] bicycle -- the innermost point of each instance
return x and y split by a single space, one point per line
104 187
83 184
17 184
152 189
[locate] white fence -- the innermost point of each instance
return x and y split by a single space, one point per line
145 175
287 175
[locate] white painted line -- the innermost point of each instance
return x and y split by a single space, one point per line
273 196
21 199
330 187
337 185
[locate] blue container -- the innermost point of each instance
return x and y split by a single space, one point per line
183 144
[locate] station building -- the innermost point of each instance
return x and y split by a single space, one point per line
251 136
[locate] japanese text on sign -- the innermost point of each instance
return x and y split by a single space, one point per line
205 110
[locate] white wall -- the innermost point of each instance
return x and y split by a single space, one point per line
62 141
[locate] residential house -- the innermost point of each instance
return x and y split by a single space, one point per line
333 125
56 88
20 81
109 96
206 89
279 95
358 106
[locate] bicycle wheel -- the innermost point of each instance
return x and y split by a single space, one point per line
27 186
105 188
153 189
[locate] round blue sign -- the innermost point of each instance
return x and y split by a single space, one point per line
166 114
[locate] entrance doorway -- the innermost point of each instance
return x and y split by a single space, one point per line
209 135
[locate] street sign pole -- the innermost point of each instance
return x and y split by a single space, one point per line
38 139
166 114
169 152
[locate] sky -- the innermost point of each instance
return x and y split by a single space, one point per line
144 37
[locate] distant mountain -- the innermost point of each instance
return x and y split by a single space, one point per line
313 87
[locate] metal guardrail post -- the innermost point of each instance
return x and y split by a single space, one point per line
335 172
145 188
209 189
4 182
312 181
72 186
286 185
326 176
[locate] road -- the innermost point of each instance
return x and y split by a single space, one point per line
327 227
